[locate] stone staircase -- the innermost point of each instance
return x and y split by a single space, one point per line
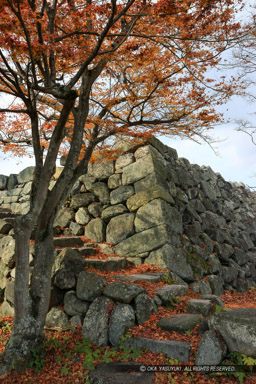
198 310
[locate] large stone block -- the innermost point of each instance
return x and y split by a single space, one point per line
122 292
101 169
122 319
173 349
89 285
113 211
158 212
143 197
119 228
26 175
95 326
3 182
147 182
7 251
141 168
101 190
95 230
121 194
211 350
173 259
238 329
82 200
144 241
63 218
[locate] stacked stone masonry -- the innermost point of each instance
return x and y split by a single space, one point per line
155 208
150 207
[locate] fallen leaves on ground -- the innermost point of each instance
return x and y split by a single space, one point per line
61 364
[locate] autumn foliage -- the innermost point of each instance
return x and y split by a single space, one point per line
152 59
78 76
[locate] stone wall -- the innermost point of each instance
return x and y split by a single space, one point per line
155 208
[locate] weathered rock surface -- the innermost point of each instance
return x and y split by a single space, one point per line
122 319
122 292
57 318
173 349
144 307
179 323
238 329
119 372
89 286
211 349
95 326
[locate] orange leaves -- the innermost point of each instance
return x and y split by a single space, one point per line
153 59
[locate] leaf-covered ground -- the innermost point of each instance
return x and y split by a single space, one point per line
68 358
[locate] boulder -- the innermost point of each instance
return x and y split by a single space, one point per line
143 197
144 307
238 329
95 209
76 229
158 212
95 230
114 181
7 251
12 181
143 167
101 190
152 179
3 182
9 292
57 318
216 300
82 216
119 228
199 306
65 279
74 306
121 194
68 259
168 292
122 319
173 349
101 169
211 349
26 175
89 285
202 287
113 211
216 284
180 323
122 292
144 241
174 259
63 218
123 161
82 200
6 309
95 326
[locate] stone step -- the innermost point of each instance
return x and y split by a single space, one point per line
10 219
84 251
120 372
110 264
150 277
171 348
5 213
67 241
180 323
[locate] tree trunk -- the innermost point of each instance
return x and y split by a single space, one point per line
31 300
